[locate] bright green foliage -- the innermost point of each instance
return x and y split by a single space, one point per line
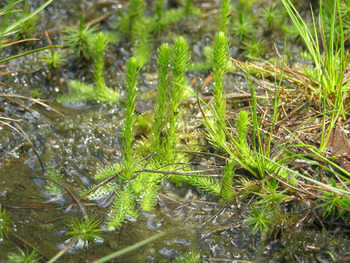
334 205
164 56
108 171
53 58
243 26
98 48
150 183
123 209
219 60
243 123
5 223
191 257
207 184
79 39
24 257
227 192
86 230
259 220
179 63
53 188
141 36
83 92
203 65
224 21
128 134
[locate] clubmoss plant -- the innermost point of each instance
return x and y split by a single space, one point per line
53 188
227 191
5 223
219 60
86 230
123 209
141 39
83 92
128 134
224 20
24 256
163 61
135 15
179 63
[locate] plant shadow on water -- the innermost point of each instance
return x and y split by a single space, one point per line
260 198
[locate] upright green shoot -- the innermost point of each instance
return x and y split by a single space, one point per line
224 20
99 46
179 63
164 55
128 134
219 60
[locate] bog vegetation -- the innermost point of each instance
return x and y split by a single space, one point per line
283 154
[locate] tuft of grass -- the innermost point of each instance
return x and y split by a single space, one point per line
330 60
259 220
272 17
86 230
24 256
53 58
243 26
79 40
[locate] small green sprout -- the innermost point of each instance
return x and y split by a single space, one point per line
85 230
5 223
54 59
243 26
24 257
259 220
79 39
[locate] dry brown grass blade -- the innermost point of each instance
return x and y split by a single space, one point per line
9 96
10 72
20 131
